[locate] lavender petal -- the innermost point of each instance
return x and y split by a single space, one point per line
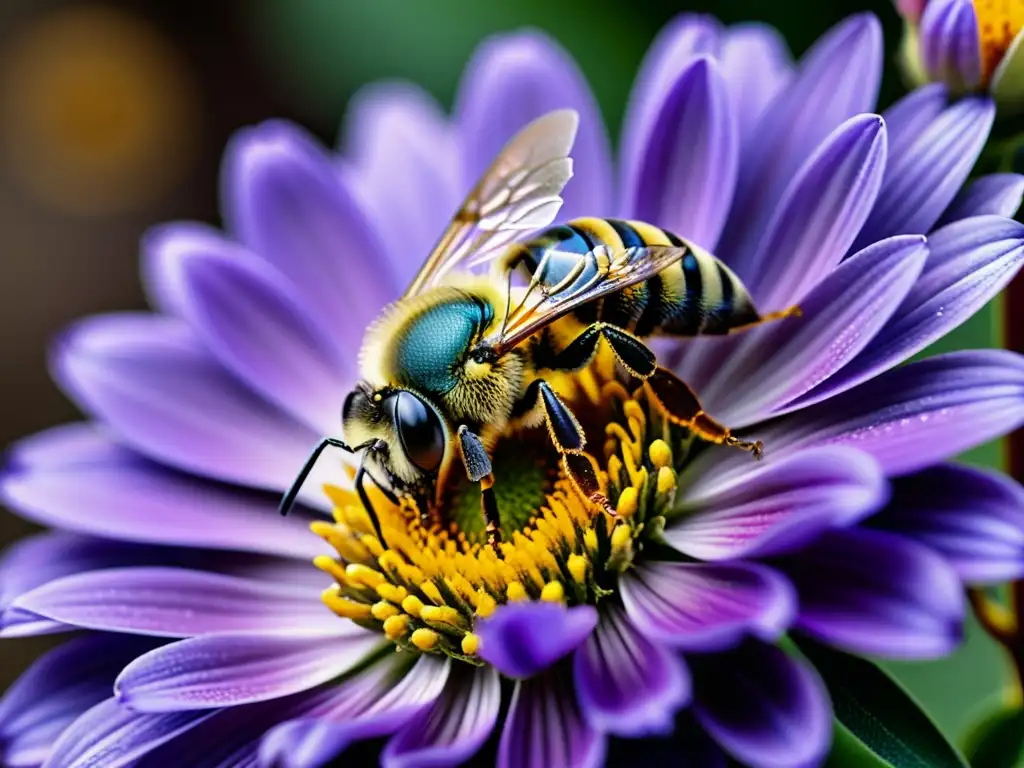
951 44
998 194
522 639
757 66
705 606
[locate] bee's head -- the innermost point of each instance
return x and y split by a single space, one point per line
411 427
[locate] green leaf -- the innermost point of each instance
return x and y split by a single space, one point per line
997 740
878 724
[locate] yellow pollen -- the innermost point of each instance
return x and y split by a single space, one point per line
331 566
999 22
577 565
553 592
371 543
412 605
590 540
666 480
621 536
470 644
443 614
425 639
392 593
347 609
660 453
515 591
431 591
627 505
485 605
383 611
361 574
396 626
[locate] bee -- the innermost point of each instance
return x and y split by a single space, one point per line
461 355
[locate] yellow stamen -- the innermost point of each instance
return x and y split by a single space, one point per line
577 565
412 605
470 644
425 639
383 611
361 574
391 593
999 22
660 453
627 504
347 609
621 536
485 605
553 592
666 480
396 626
431 591
515 592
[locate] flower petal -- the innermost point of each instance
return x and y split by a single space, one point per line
911 116
690 154
820 213
227 670
515 78
148 379
521 639
970 262
286 202
915 415
763 707
873 592
56 689
951 44
778 507
756 64
923 178
177 602
112 735
840 77
107 490
679 42
366 705
544 727
972 517
705 606
998 194
405 159
455 727
256 323
775 364
626 684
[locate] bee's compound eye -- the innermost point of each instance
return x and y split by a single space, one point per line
419 430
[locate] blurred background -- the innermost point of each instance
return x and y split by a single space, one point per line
113 116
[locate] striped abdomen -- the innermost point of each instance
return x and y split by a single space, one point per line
695 295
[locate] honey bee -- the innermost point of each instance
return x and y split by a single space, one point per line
461 355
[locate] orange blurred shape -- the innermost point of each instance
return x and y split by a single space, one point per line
98 114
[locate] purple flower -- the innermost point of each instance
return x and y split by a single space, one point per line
209 641
970 45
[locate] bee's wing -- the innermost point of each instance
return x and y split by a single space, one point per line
520 192
608 272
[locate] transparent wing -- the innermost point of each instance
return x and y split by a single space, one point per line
596 274
520 192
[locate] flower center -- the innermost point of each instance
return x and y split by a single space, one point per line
434 576
999 21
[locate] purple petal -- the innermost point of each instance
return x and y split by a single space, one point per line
778 507
998 194
256 323
513 79
177 602
912 115
777 363
232 669
756 64
405 160
112 735
454 728
840 77
545 728
923 178
521 639
974 518
970 262
704 606
56 689
286 202
686 178
763 707
950 43
679 42
364 706
916 415
873 592
626 684
109 491
148 379
38 560
820 214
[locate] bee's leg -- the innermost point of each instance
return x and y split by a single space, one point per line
569 440
793 311
630 351
478 470
678 402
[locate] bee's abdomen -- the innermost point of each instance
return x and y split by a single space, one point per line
695 295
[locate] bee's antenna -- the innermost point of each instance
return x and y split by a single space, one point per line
288 501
